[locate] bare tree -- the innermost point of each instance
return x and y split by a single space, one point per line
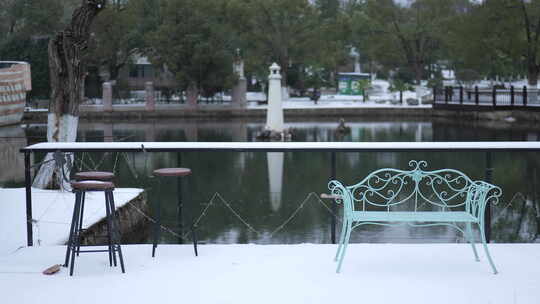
67 74
531 24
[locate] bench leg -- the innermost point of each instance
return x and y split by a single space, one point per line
483 235
470 237
341 238
345 243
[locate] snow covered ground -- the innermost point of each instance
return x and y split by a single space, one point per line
338 102
52 210
305 273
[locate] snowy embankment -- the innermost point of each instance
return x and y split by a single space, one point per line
306 103
52 211
305 273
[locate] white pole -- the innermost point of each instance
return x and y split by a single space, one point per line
274 114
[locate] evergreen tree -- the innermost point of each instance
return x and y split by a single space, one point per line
514 33
282 31
115 38
407 34
195 43
26 26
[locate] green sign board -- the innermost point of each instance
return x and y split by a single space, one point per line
353 83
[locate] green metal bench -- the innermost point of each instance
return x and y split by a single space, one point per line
417 198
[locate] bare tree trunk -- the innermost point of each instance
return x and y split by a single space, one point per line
67 75
284 72
532 75
418 71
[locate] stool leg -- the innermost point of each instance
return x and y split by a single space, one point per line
179 214
72 229
194 235
157 224
112 253
181 203
116 230
81 219
190 216
75 237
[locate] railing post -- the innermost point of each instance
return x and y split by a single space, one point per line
476 99
525 97
461 94
150 97
180 206
333 206
446 95
535 193
107 96
512 97
401 96
434 94
28 185
487 214
494 96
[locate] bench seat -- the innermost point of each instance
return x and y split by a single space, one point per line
419 216
407 196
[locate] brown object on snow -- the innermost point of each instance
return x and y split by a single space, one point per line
52 270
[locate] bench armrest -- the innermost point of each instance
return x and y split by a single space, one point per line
342 195
480 194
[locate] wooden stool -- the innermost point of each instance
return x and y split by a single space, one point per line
113 225
94 176
179 173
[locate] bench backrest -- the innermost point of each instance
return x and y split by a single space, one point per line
416 190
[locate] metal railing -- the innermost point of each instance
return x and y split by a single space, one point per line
485 98
331 147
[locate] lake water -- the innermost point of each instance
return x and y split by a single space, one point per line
255 197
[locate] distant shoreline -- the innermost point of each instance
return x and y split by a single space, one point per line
226 112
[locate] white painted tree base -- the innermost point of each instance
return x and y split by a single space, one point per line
59 129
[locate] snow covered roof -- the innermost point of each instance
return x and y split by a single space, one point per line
355 74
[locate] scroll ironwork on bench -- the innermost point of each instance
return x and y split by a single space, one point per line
417 198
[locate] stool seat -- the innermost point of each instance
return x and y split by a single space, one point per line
172 172
182 175
94 175
89 185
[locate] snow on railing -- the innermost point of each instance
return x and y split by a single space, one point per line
283 146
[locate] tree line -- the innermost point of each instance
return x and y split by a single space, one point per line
197 41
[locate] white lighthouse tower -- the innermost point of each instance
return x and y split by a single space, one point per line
274 114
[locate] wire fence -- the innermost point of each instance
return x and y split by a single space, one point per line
84 161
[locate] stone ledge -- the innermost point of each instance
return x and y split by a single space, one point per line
217 111
132 224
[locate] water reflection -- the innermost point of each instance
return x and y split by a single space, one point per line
518 221
275 178
266 188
